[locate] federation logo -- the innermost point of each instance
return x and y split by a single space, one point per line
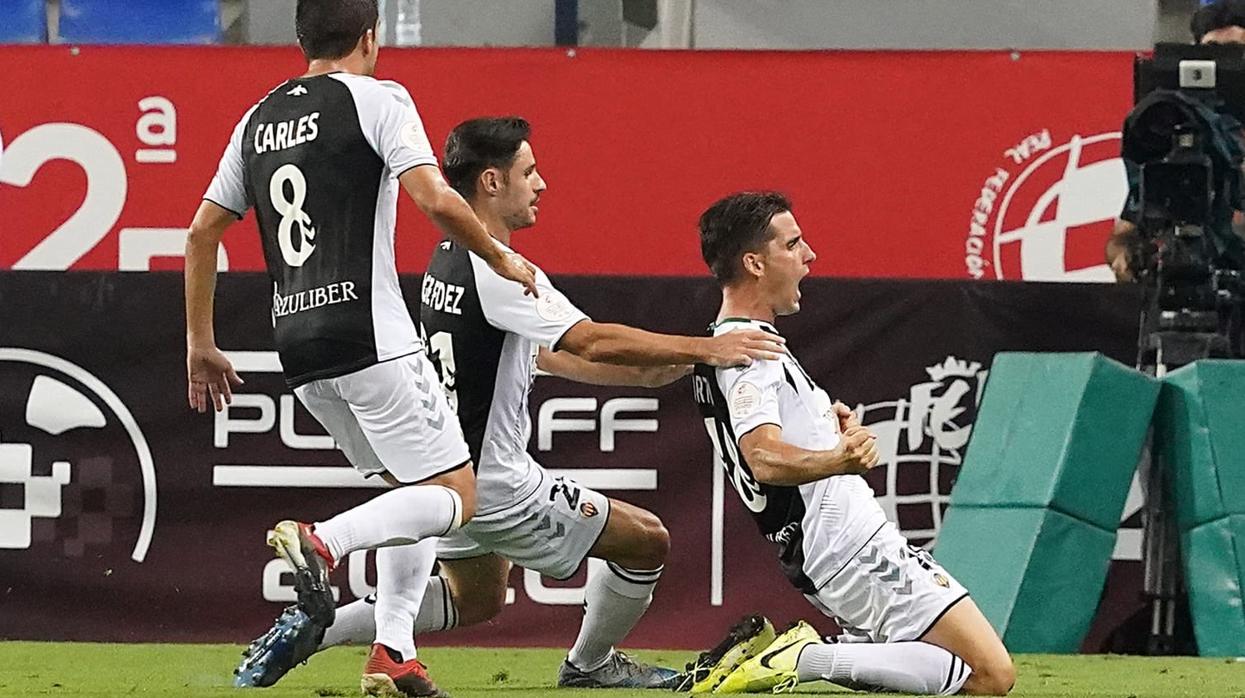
588 509
1046 211
745 399
75 469
552 306
921 439
941 580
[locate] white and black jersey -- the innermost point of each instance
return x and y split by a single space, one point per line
483 334
819 525
318 159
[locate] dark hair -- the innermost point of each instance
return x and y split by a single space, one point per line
332 28
734 225
476 145
1217 15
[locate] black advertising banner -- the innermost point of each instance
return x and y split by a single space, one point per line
126 517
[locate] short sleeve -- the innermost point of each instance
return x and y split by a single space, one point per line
228 187
391 123
752 395
542 320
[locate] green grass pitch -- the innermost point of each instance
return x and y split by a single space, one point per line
67 669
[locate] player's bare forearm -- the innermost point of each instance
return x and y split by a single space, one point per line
782 464
448 211
609 343
202 243
619 344
566 365
776 462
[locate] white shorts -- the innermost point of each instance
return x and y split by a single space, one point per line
550 532
889 591
392 416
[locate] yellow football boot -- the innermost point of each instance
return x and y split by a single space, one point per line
745 639
774 668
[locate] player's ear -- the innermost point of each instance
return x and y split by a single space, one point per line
753 263
490 181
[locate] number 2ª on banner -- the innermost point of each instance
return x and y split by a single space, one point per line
106 187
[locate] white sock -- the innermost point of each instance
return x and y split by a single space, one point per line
903 667
438 611
402 516
614 601
356 621
355 624
401 578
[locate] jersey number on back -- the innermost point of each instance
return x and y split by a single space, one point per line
442 345
726 453
296 247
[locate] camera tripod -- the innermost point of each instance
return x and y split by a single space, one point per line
1168 340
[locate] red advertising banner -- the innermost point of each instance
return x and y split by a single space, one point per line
985 165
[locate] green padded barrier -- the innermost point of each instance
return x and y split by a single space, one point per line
1035 573
1214 556
1200 431
1057 430
1201 427
1034 512
1214 566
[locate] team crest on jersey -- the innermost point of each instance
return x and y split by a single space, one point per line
921 440
588 509
1046 211
941 580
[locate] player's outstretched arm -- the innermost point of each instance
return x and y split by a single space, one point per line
449 212
566 365
619 344
209 374
776 462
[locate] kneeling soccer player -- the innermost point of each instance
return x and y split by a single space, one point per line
795 459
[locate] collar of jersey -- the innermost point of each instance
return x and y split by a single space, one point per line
764 325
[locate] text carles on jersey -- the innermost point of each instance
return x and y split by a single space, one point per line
286 134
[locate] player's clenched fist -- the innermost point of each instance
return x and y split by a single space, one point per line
742 347
858 450
845 415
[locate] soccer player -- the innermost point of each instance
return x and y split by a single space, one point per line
795 459
488 338
320 159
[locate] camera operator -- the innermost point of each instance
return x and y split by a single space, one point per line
1220 22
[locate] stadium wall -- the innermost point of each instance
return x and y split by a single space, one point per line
125 517
955 165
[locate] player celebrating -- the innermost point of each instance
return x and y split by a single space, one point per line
485 338
794 458
320 159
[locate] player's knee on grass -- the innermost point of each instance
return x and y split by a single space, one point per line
994 676
477 587
479 607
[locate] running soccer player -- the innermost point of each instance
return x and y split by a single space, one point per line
320 159
487 340
795 459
